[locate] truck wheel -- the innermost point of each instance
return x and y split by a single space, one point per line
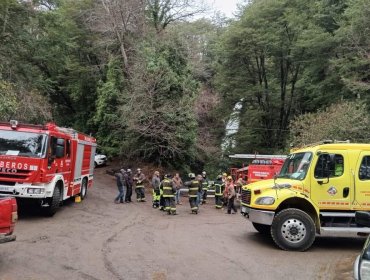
53 203
263 229
83 192
294 230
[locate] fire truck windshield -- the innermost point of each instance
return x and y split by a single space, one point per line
296 166
26 144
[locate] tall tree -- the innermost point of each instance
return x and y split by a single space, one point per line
158 109
267 58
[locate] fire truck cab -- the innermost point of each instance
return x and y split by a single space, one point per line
45 163
317 192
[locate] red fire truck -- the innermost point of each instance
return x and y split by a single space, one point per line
261 167
8 217
45 163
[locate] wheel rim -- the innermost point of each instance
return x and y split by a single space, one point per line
293 230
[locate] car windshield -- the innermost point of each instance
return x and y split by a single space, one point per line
26 144
296 166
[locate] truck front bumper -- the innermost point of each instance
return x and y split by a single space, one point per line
7 238
257 216
24 191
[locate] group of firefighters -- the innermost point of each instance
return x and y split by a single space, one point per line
166 192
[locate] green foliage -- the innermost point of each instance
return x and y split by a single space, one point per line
8 98
341 121
158 109
353 60
22 105
281 60
106 117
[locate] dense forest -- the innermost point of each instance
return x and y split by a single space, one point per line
153 80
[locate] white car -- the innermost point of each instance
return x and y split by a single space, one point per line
361 267
100 160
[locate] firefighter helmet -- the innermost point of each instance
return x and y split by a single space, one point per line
191 175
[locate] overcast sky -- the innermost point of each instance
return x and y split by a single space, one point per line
225 6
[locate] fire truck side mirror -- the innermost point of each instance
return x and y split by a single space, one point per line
59 151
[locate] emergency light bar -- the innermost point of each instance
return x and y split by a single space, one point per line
254 156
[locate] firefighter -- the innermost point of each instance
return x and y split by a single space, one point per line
194 187
139 186
224 176
205 185
156 190
130 183
219 192
169 191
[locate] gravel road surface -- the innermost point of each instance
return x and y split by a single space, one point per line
97 239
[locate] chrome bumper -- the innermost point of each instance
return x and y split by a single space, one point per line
257 216
7 238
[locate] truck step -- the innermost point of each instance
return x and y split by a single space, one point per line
338 214
344 231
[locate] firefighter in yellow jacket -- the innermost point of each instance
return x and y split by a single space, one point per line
219 192
139 185
194 186
169 191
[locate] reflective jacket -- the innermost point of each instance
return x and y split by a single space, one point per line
205 184
168 188
194 188
219 188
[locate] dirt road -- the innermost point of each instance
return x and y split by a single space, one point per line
97 239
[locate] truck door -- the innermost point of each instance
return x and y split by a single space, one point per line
361 199
57 161
331 179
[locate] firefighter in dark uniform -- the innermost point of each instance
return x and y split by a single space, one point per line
156 191
169 191
219 192
205 185
194 186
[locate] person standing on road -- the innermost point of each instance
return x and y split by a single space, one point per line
219 192
194 187
130 183
178 184
200 191
169 191
156 182
230 193
120 185
229 183
205 185
238 187
139 186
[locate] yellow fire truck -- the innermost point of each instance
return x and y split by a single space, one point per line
317 192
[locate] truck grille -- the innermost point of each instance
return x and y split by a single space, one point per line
246 196
20 174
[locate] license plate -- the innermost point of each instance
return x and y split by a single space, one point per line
6 189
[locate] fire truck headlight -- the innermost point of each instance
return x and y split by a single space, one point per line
266 200
35 191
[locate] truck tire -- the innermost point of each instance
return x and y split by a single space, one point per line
83 192
53 203
263 229
293 230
